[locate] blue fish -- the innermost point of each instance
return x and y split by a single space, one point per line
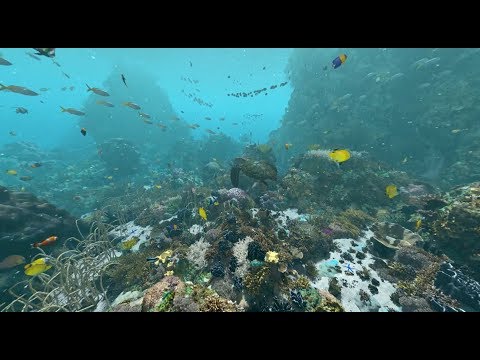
339 60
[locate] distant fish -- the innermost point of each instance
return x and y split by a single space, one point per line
105 103
72 88
33 56
64 88
208 118
43 89
397 76
288 146
72 111
143 115
56 63
68 77
211 132
5 62
191 65
21 110
11 172
35 165
234 123
18 89
124 80
162 126
48 52
25 178
146 121
132 105
13 133
97 91
83 131
11 261
222 119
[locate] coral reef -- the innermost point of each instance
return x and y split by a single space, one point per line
120 156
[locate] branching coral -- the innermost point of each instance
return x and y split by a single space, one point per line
76 283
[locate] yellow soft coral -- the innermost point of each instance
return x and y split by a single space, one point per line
271 257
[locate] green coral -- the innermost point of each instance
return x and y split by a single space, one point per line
128 244
301 283
264 148
311 270
130 270
327 305
423 282
255 280
215 303
335 288
167 301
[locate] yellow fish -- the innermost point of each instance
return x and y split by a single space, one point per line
37 267
391 191
169 273
288 146
202 213
11 172
158 186
339 155
418 224
162 257
216 203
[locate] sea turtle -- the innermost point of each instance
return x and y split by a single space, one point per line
256 169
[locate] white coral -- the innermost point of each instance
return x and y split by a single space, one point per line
196 253
240 251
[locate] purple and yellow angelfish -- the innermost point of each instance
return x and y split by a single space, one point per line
339 60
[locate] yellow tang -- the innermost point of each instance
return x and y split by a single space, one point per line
11 172
418 224
391 191
339 155
37 267
202 213
163 256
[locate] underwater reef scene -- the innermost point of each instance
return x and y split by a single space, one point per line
239 180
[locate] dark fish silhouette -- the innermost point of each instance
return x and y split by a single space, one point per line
48 52
124 81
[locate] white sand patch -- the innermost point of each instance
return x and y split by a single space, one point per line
196 229
129 230
167 220
282 217
351 283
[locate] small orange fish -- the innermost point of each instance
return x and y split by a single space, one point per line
45 242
